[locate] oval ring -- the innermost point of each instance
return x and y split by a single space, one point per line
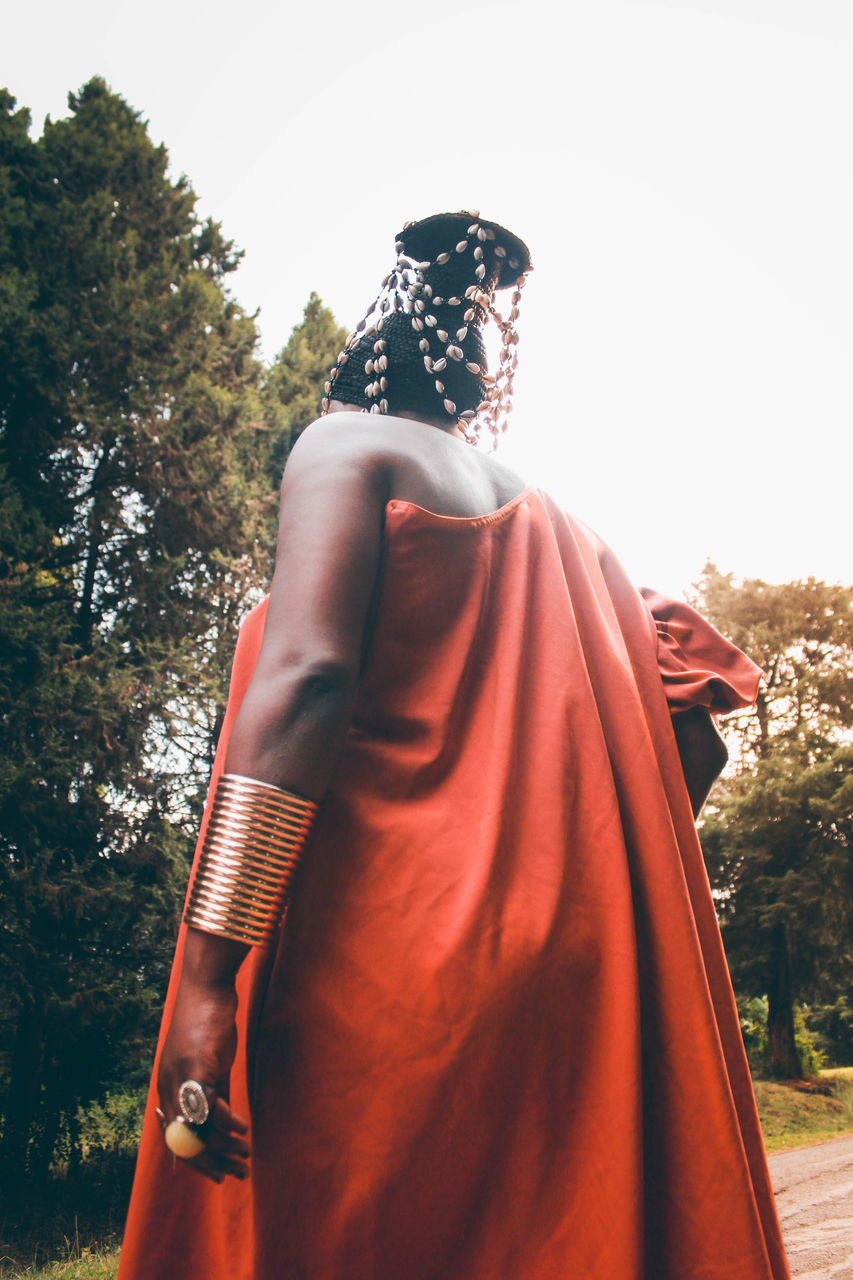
192 1100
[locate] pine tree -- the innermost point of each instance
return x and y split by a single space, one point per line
294 383
135 520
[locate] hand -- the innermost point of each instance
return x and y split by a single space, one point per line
201 1045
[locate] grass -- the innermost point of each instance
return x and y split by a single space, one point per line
70 1226
800 1115
838 1073
792 1115
81 1264
45 1256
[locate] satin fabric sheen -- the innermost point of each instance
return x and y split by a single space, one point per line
498 1039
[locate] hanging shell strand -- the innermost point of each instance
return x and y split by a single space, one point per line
352 341
405 289
494 410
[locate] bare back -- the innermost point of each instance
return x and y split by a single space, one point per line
429 466
341 474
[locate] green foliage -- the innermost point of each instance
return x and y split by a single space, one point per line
778 845
136 517
294 383
801 635
811 1055
79 1210
753 1025
752 1014
832 1027
141 444
114 1123
778 835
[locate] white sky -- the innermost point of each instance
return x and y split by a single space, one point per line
681 171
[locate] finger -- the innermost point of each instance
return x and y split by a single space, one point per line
221 1138
217 1168
235 1168
226 1120
220 1145
207 1170
218 1165
225 1145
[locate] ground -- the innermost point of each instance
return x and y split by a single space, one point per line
814 1199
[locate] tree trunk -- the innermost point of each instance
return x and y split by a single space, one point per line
94 543
22 1099
763 745
784 1058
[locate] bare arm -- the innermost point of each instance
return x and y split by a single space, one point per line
298 705
291 725
703 753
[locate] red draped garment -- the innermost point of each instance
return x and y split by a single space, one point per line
497 1040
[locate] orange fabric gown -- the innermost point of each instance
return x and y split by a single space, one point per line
498 1039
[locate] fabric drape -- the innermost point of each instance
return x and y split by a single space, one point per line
497 1038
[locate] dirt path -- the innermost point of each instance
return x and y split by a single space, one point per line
814 1198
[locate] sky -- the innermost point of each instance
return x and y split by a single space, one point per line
680 169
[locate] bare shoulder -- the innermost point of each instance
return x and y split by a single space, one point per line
340 442
363 449
383 456
333 480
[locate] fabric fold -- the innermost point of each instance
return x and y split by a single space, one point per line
699 666
498 1039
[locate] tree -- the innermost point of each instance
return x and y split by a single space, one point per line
294 383
779 835
135 521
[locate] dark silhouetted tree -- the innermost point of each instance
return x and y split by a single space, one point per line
135 519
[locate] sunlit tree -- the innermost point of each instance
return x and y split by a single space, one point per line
779 835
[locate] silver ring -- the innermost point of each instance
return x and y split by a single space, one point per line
192 1100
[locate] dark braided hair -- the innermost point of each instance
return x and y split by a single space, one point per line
420 348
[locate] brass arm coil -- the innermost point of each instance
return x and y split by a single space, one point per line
254 838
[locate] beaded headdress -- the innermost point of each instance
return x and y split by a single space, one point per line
420 345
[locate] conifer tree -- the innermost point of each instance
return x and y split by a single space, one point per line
135 519
294 383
